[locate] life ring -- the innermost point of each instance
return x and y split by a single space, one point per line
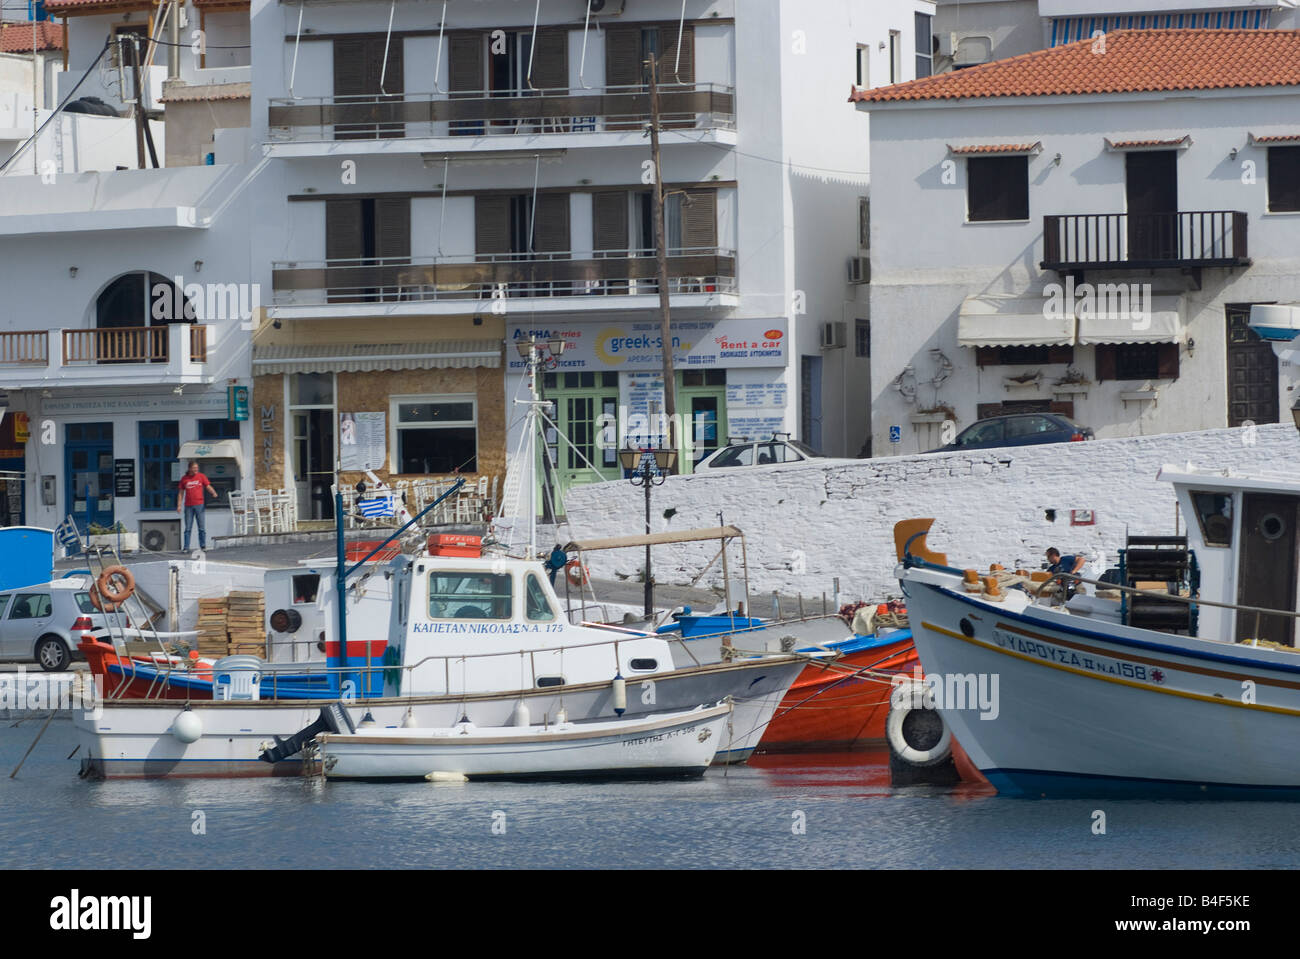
911 728
101 604
575 572
106 581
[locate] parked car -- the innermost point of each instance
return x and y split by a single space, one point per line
44 623
773 452
1019 429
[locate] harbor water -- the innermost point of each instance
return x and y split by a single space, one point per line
780 811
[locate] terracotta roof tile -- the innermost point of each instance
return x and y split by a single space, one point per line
1276 138
1185 140
66 7
1134 61
997 148
177 92
17 37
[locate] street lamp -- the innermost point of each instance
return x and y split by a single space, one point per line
649 467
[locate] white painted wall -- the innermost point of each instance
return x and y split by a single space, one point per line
837 519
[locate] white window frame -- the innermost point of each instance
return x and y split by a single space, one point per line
395 427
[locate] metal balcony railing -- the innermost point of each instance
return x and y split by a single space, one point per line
684 106
1145 240
488 276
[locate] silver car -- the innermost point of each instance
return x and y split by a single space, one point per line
44 623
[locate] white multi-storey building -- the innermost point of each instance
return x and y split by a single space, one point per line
1083 230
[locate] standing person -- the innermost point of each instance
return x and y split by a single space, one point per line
190 500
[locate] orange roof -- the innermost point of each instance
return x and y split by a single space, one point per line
997 148
73 7
1133 61
17 37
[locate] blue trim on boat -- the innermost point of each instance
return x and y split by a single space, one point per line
279 690
1036 784
1119 640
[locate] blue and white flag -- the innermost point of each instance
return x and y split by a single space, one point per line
379 506
66 533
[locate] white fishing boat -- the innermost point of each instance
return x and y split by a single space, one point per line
659 746
1194 694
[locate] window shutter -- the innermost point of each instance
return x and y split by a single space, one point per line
1060 354
551 59
342 229
492 224
1063 408
349 67
700 219
609 220
984 410
551 225
393 227
1168 361
392 76
670 71
622 56
1105 362
465 62
988 355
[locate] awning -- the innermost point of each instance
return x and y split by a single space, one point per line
212 450
1137 146
1275 321
655 539
1119 321
997 149
360 358
996 320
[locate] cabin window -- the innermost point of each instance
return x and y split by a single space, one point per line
550 680
538 607
644 664
470 596
305 588
1214 512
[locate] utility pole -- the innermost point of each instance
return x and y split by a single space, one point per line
661 250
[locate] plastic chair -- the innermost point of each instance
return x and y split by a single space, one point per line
237 677
264 507
238 513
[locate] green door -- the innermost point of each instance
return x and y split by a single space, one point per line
581 400
702 403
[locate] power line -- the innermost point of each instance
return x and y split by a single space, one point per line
57 110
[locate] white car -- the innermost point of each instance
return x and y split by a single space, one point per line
773 452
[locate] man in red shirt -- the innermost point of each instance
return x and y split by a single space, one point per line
192 487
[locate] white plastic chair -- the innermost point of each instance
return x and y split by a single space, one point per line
237 677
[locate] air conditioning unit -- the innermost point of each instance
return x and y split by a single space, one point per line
860 269
834 336
969 51
947 43
606 8
159 536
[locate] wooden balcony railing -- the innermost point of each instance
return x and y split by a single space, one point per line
24 347
702 270
125 344
1145 241
693 106
198 344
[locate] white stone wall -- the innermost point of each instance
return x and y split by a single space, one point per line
806 525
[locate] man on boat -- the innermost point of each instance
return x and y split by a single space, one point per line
1071 563
556 562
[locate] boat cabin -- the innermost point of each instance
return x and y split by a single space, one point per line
465 623
1242 529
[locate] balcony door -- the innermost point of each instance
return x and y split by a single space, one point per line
364 83
1151 188
372 238
518 233
1252 372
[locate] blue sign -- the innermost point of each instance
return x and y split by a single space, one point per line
895 434
237 403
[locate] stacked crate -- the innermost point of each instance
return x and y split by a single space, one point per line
213 641
246 622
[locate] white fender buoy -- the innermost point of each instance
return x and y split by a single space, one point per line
187 727
445 777
561 716
907 700
520 717
408 721
367 720
619 690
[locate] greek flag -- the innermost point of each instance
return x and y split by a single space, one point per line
379 506
66 533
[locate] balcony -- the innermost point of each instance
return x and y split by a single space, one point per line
1144 241
547 282
116 356
467 117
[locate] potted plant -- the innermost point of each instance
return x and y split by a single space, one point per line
115 536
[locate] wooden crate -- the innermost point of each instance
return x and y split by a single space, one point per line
246 622
212 640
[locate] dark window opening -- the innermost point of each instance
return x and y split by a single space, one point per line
924 46
997 188
1284 179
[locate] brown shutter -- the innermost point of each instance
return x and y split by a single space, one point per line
988 355
984 410
622 56
492 224
392 227
1105 361
700 219
551 223
1063 408
670 70
465 62
343 229
349 67
1060 354
1167 361
609 220
392 77
551 59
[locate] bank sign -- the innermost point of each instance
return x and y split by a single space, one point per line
638 346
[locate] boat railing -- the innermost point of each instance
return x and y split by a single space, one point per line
1259 611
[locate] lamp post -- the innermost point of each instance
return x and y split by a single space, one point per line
649 468
541 356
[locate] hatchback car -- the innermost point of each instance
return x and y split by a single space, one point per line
1020 429
44 623
773 452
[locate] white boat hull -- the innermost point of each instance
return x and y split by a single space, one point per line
133 738
1088 707
679 744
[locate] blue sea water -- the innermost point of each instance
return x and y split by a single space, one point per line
790 811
